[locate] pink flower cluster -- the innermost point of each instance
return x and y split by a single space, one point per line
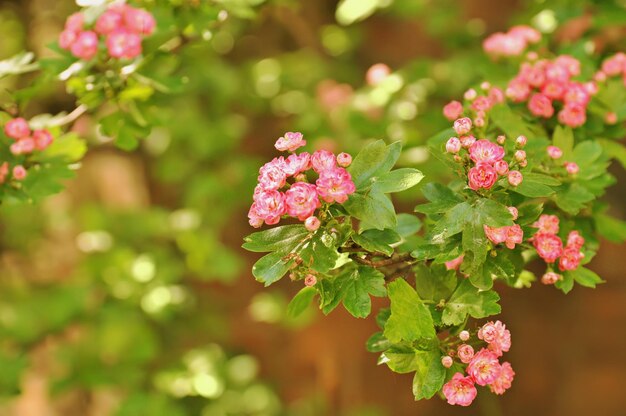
301 198
613 66
509 235
26 141
120 26
550 247
512 43
483 368
547 86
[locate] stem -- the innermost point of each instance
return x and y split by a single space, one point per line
71 117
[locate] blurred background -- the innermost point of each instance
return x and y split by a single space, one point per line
127 294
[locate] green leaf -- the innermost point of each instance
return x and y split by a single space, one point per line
610 228
585 277
407 225
536 185
566 284
69 147
572 198
410 319
442 199
350 11
492 213
563 138
399 180
357 287
434 283
429 376
377 343
377 240
401 359
374 160
467 299
320 252
509 122
271 268
283 238
452 222
374 209
301 301
498 267
614 150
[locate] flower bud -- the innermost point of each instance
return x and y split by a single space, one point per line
501 167
554 152
550 278
344 160
610 118
501 139
514 212
515 177
470 94
571 168
464 335
310 280
19 172
453 145
312 223
462 125
520 155
521 141
446 361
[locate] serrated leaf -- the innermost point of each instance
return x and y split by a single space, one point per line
374 160
357 288
283 238
271 268
468 300
586 277
610 228
410 319
320 251
377 240
374 209
434 283
399 180
429 374
572 198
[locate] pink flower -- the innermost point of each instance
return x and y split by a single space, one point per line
521 141
504 380
548 246
514 235
23 146
310 280
573 115
470 94
344 160
484 367
463 126
19 172
75 22
571 168
610 118
465 353
312 223
550 278
253 217
334 185
86 45
460 390
322 160
122 43
485 151
614 65
454 264
527 33
483 175
290 142
453 110
554 152
42 139
496 235
501 167
481 103
453 145
571 64
17 128
553 90
4 171
446 361
496 95
518 90
139 21
464 335
66 39
548 224
578 94
296 164
302 200
108 21
574 239
270 206
570 259
497 336
515 177
541 106
514 212
272 175
467 141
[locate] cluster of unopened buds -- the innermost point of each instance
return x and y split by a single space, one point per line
25 142
486 156
481 103
120 28
550 247
483 368
512 43
274 196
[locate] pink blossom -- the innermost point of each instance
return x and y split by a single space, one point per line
541 106
614 65
610 118
23 146
16 128
122 43
295 164
548 224
253 217
467 141
344 160
464 335
470 94
19 172
377 73
514 212
521 141
548 246
446 361
270 206
482 103
272 175
518 90
460 390
479 122
496 95
108 21
75 22
4 171
576 94
312 223
501 167
554 152
573 115
310 280
501 139
504 44
496 235
570 259
334 185
453 145
497 336
483 175
514 235
553 90
485 151
504 380
550 278
290 142
455 263
515 177
575 240
463 126
67 38
42 139
571 168
520 155
527 33
453 110
465 353
86 45
484 367
322 160
139 20
571 64
301 200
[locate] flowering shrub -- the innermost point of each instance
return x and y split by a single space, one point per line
530 158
